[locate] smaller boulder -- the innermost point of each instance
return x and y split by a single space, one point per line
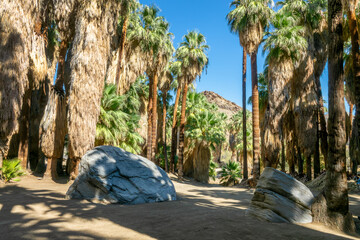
281 198
110 174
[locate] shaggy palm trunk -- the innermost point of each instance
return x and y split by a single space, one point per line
53 139
322 132
283 154
300 162
17 25
280 74
121 52
182 130
255 117
245 165
96 24
333 208
164 131
150 118
305 105
201 163
317 149
354 33
308 168
39 99
351 106
174 132
24 127
154 119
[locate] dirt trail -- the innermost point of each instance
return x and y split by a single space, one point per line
36 209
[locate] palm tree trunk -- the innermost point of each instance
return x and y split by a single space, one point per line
121 52
255 116
283 154
321 120
164 131
354 33
317 148
24 127
336 192
182 130
351 106
88 70
245 165
150 113
55 145
154 119
308 168
173 131
300 162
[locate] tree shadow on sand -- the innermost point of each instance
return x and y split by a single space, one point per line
46 214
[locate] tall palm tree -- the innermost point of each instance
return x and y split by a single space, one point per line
192 53
126 7
355 52
88 69
152 33
285 45
165 85
179 77
249 18
336 189
305 96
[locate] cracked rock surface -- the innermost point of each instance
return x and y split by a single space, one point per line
112 175
281 198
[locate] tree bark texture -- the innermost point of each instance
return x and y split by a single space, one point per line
182 130
96 24
255 117
245 165
164 132
173 131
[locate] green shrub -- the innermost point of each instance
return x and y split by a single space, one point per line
11 169
212 169
230 173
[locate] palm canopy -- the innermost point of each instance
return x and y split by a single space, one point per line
307 13
151 32
249 18
192 54
286 41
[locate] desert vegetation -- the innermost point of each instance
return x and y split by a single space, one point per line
79 74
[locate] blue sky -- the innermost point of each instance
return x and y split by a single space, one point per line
225 54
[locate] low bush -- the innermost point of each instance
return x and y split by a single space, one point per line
230 173
11 169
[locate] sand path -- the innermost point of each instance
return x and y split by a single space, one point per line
36 209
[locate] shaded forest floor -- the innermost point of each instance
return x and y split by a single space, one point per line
37 209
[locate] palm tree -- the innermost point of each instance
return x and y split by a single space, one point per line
151 32
305 94
336 192
249 18
355 53
284 45
177 72
192 54
126 7
158 44
204 131
165 85
88 65
119 119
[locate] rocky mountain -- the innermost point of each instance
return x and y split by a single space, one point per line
225 106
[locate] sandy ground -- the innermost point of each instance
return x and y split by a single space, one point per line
37 209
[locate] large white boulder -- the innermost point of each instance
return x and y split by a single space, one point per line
112 175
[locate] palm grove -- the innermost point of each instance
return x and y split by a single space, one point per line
115 68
